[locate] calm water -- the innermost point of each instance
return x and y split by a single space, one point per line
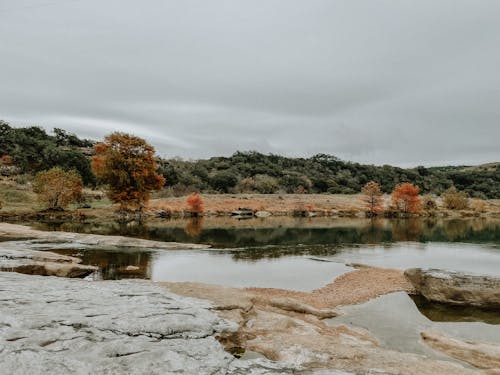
300 254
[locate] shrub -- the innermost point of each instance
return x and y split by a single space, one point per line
195 204
405 198
454 199
57 188
372 196
428 203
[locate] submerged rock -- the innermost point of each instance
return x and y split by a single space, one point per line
456 288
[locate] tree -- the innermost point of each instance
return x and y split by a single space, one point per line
57 188
223 181
405 197
455 200
373 198
126 164
195 203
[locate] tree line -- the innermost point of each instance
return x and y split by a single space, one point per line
30 150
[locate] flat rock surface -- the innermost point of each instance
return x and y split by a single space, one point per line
51 325
22 259
456 288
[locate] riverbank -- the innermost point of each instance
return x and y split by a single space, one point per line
20 204
140 325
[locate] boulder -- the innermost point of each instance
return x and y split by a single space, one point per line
456 288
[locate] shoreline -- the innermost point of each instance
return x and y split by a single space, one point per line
258 205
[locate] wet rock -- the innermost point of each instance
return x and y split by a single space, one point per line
20 231
456 288
34 262
303 341
263 214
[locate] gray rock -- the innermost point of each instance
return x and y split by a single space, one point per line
51 325
34 262
59 326
456 288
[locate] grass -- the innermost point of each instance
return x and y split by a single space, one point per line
17 198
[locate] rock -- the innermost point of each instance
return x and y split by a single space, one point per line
132 268
59 326
20 231
291 304
456 288
304 341
481 355
44 263
263 214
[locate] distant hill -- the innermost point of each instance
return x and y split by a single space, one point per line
256 172
31 150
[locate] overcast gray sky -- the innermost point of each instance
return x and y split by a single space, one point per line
399 82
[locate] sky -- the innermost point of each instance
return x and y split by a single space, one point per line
381 82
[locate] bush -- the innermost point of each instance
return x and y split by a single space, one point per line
195 204
57 188
405 198
454 199
429 203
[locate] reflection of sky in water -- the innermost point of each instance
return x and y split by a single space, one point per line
298 273
396 322
482 259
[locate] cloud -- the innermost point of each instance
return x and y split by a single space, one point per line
387 82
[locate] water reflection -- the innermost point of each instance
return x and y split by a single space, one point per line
230 233
194 227
114 264
439 312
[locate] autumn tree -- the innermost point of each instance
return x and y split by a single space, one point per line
126 164
195 204
57 188
405 197
372 196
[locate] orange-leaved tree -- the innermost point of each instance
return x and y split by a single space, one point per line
195 203
405 198
126 164
56 188
372 196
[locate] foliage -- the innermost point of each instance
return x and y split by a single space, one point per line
57 188
372 196
223 181
32 150
455 200
126 164
405 198
195 203
260 173
428 203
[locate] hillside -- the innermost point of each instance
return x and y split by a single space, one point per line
29 150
